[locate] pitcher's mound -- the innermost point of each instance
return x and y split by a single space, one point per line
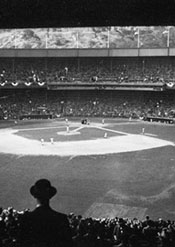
70 133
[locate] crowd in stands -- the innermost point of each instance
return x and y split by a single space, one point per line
45 227
97 232
14 103
117 70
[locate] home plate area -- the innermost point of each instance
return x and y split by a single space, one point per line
75 140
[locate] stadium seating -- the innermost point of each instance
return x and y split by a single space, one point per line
98 232
14 103
136 70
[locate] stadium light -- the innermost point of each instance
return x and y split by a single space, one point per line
168 36
138 37
77 37
15 37
47 34
108 43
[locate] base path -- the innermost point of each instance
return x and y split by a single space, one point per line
14 144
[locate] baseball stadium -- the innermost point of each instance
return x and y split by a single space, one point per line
93 111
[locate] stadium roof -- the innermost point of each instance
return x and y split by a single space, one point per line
73 13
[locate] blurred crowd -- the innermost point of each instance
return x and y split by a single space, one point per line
101 232
15 103
117 70
124 104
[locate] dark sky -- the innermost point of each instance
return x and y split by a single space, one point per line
70 13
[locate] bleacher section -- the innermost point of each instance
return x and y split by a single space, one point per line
91 70
17 103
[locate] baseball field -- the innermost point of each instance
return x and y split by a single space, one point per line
116 168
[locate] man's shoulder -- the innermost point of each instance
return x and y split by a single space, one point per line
59 214
45 212
49 217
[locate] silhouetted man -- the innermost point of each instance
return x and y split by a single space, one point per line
44 227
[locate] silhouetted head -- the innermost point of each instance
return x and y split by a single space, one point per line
43 190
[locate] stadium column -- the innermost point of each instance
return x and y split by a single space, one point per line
77 37
168 42
78 64
108 41
46 97
46 69
110 64
167 32
13 69
138 40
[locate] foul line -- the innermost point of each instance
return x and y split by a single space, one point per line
149 134
75 130
44 128
114 131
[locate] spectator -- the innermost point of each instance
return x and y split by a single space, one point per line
44 226
133 241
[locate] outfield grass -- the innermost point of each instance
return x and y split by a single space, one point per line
143 179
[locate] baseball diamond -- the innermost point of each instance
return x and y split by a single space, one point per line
110 172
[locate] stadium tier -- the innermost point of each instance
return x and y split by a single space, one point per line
39 71
28 103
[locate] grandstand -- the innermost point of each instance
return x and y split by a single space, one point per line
122 79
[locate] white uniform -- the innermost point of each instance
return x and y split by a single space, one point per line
42 142
51 141
105 135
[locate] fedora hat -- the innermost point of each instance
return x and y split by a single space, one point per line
42 189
